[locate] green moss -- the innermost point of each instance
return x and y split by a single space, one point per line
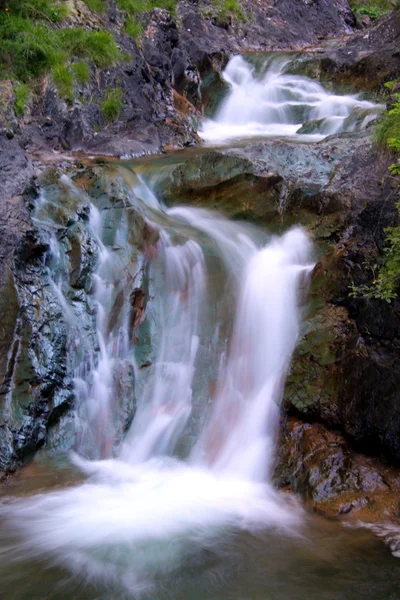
111 106
81 72
21 96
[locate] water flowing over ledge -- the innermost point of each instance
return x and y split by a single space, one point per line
275 103
147 495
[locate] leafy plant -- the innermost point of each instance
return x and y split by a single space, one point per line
21 96
111 106
395 169
389 85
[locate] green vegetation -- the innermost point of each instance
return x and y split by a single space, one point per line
386 276
226 8
81 72
133 28
388 130
386 273
97 6
21 96
111 106
389 85
33 44
372 8
46 10
135 8
64 80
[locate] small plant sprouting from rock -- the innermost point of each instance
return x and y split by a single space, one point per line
111 106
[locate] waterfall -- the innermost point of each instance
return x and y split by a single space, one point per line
276 103
194 463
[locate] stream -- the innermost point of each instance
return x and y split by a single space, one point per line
158 483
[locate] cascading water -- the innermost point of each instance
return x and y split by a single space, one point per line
183 490
279 104
146 510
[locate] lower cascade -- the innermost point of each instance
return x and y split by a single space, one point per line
186 470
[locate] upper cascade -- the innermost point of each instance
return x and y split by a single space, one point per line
276 103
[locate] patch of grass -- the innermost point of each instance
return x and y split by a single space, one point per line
21 96
111 106
97 6
98 46
31 47
133 27
228 8
64 80
47 10
135 8
372 8
81 72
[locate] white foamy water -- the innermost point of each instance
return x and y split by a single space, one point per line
141 513
277 104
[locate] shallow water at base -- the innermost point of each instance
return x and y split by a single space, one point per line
324 561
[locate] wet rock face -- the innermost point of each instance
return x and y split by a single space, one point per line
365 61
46 291
319 465
346 371
279 183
